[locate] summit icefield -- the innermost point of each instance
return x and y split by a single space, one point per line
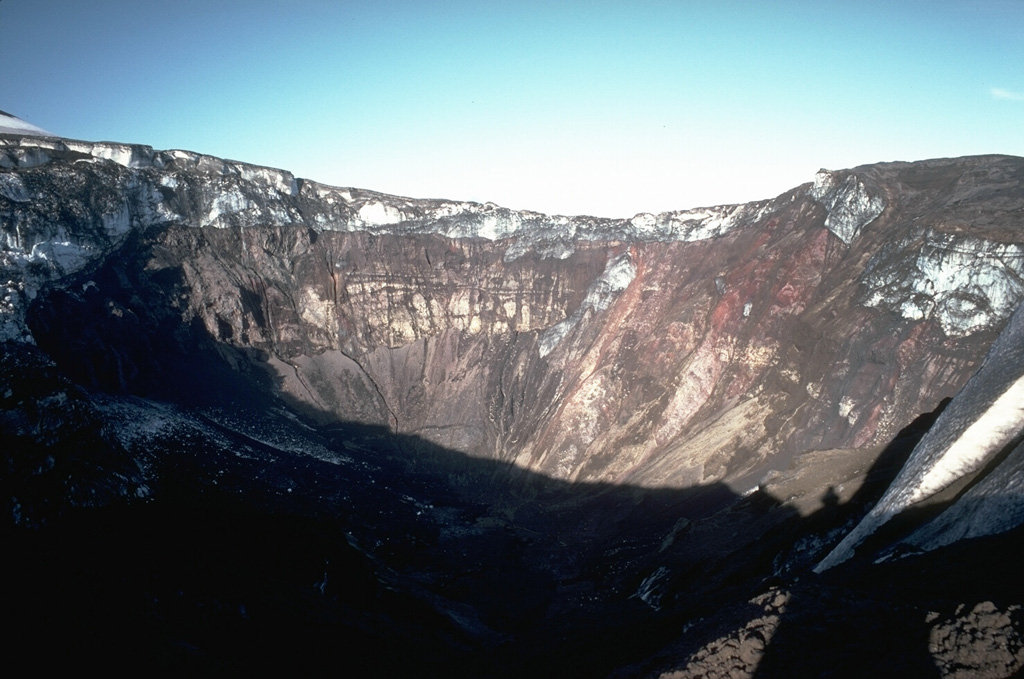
13 125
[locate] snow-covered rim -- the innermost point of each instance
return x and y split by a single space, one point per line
349 209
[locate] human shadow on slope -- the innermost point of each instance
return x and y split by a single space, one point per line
744 591
864 618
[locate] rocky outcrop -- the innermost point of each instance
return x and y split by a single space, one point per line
977 642
981 642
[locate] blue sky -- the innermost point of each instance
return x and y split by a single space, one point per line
603 108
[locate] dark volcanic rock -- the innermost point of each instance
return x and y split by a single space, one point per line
490 442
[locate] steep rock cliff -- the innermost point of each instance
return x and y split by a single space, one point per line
672 349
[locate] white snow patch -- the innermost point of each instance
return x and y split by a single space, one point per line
65 255
617 276
996 427
376 213
124 155
13 188
645 222
278 180
488 221
11 125
226 203
846 409
695 224
493 228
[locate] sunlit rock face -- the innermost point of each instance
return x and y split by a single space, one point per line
673 349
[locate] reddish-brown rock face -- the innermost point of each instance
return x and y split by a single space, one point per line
706 360
670 350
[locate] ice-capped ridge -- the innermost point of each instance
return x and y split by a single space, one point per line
220 193
695 224
549 235
849 203
964 283
227 194
27 152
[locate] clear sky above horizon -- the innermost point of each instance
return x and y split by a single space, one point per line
601 108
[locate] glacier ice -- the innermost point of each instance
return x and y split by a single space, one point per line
992 506
964 283
849 204
13 125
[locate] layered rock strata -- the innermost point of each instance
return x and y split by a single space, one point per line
674 349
